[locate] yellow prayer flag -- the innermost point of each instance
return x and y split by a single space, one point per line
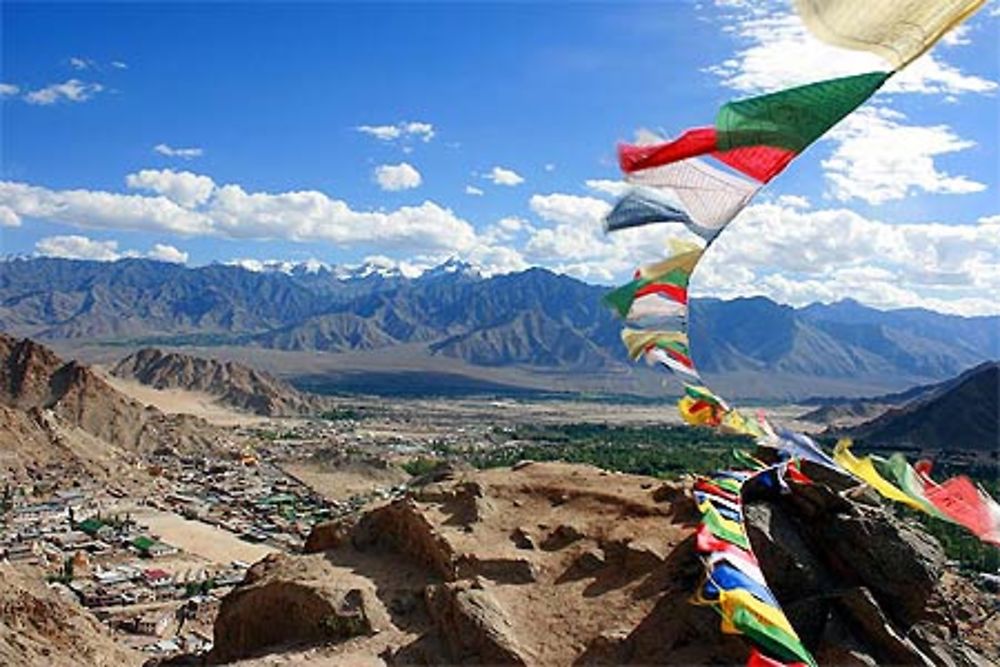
864 470
730 601
897 30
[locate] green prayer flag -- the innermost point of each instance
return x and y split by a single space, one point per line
775 640
713 521
793 118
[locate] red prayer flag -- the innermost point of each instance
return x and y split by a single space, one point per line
758 659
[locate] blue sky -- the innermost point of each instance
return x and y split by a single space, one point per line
411 133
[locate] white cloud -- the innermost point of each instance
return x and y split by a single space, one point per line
191 204
102 210
502 176
799 257
8 90
402 130
182 187
388 265
78 247
118 64
790 252
929 75
569 209
608 186
550 167
423 130
878 158
75 246
167 253
394 177
183 153
512 224
8 218
779 52
574 240
505 230
473 190
383 132
958 36
269 265
80 63
496 259
793 201
72 90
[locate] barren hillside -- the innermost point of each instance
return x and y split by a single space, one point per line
232 384
41 628
557 564
57 414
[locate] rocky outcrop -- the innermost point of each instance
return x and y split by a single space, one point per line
53 411
294 601
561 564
474 627
25 369
232 384
460 590
41 628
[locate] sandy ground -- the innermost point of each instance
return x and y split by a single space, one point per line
179 401
201 539
342 484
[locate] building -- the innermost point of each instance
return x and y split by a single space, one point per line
26 553
110 577
150 548
157 578
90 526
153 623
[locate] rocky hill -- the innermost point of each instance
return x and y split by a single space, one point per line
56 413
557 564
958 415
233 384
551 324
840 412
40 628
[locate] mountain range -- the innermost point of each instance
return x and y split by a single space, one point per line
533 328
959 415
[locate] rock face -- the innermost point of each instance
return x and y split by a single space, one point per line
40 628
53 411
233 384
303 600
556 564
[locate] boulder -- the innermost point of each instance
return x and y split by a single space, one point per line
473 627
294 601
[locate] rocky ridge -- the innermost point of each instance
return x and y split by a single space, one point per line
61 413
967 405
553 563
232 384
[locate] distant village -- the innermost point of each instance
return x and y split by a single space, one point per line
95 548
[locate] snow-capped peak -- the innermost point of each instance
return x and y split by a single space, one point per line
454 266
285 266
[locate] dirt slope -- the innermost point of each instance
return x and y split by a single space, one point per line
40 628
62 413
